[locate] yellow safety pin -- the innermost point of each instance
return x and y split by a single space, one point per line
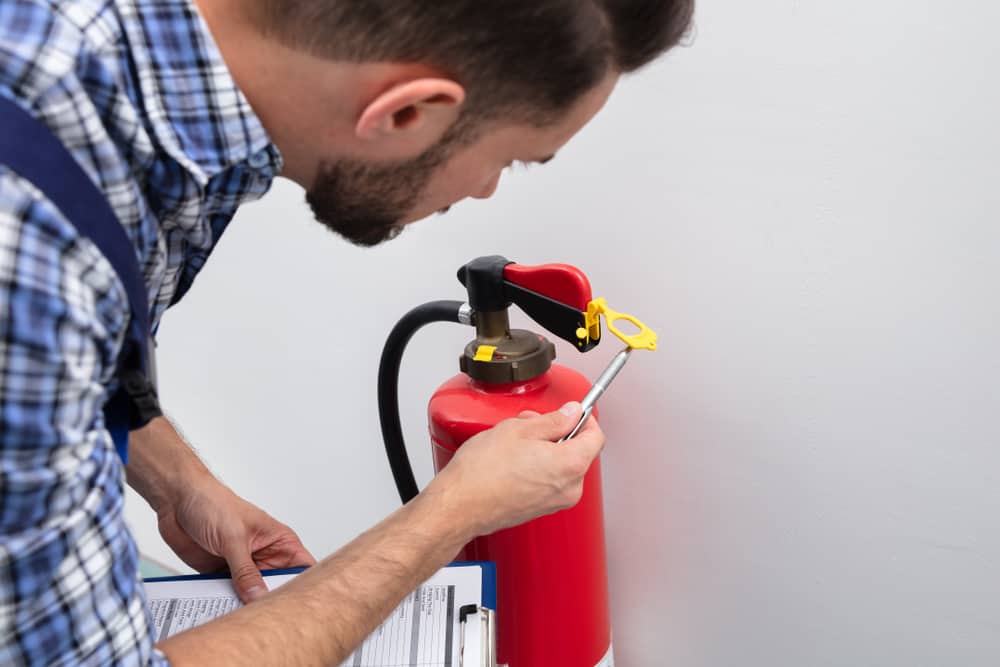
645 339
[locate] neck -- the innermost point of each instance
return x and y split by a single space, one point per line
288 90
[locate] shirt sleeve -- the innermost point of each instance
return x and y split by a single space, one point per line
69 586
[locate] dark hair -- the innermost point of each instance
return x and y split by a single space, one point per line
531 59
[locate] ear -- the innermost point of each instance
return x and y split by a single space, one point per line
418 106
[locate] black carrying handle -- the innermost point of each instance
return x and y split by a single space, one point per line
388 387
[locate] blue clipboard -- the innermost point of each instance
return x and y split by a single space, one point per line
489 573
489 568
482 614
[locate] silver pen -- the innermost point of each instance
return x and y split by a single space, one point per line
600 386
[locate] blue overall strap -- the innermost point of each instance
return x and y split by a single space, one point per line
31 150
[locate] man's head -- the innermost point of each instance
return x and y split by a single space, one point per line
439 97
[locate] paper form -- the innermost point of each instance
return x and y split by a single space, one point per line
181 605
423 631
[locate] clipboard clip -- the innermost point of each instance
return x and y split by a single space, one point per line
485 621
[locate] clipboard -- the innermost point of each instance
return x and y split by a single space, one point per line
483 616
477 622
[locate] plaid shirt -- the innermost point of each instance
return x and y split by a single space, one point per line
139 94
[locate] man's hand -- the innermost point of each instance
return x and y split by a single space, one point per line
211 528
517 471
201 519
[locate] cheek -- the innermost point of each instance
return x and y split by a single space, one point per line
444 189
457 181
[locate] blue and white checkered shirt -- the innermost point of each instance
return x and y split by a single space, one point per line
139 94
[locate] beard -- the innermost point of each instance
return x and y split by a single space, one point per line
366 203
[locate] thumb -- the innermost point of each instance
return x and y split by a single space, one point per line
247 580
554 425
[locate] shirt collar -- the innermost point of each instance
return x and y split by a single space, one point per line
197 112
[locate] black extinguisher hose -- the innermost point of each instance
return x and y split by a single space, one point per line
388 387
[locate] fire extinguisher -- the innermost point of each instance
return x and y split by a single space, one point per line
552 588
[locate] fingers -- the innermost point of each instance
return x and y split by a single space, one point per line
281 546
295 555
579 454
589 440
305 559
247 580
551 426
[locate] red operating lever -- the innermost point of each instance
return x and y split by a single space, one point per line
559 282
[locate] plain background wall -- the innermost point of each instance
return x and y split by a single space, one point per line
805 205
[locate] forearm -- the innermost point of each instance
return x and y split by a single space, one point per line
322 615
160 463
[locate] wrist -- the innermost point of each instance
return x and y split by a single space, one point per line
458 517
162 467
177 485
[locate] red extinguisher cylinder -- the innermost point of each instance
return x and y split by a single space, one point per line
552 586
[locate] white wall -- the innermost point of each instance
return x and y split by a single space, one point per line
807 472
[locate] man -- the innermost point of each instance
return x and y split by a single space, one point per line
385 111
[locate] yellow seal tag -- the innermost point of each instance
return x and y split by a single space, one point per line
485 353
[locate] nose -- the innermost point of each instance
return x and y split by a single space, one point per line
487 190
